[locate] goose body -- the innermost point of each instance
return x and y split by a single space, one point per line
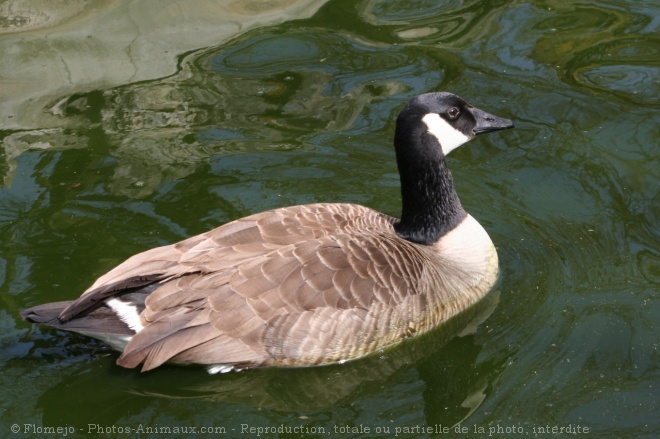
305 285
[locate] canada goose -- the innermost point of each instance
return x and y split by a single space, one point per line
305 285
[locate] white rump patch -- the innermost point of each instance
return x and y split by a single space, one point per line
219 368
127 313
449 137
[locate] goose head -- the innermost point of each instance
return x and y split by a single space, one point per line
428 128
448 118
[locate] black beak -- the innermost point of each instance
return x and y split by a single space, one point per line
486 122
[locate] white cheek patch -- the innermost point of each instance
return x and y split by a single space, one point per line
127 313
449 137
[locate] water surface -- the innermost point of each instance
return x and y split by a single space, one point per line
301 109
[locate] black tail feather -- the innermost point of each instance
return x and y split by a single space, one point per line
101 320
46 313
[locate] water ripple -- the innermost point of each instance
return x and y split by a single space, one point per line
602 48
626 67
273 90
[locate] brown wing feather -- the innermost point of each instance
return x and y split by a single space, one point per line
300 285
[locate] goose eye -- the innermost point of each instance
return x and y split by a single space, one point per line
453 113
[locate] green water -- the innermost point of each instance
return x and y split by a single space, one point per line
302 110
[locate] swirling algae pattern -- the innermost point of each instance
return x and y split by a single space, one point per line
605 49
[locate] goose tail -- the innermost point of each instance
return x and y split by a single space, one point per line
101 323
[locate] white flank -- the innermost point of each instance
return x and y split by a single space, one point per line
449 137
222 368
127 313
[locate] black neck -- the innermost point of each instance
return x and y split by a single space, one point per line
430 205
